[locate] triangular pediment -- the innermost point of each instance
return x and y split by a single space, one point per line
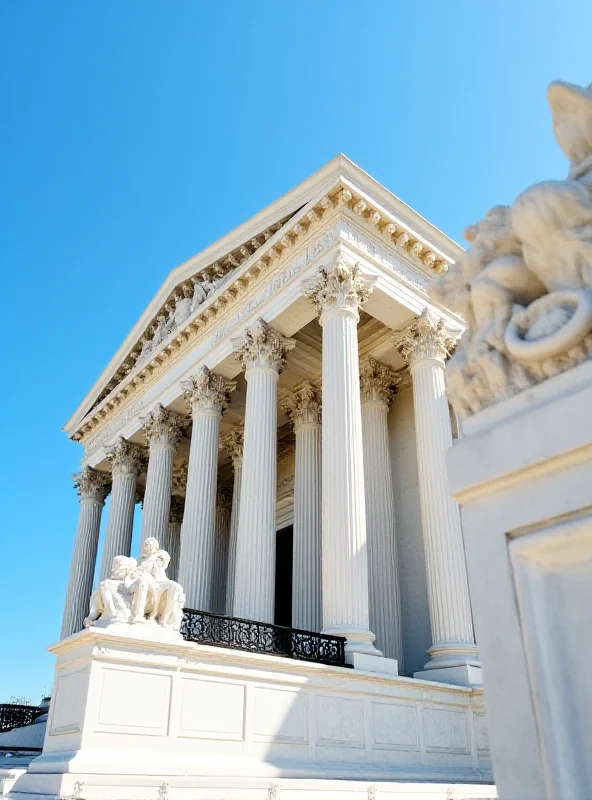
198 289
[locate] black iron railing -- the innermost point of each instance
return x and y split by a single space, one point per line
260 637
17 716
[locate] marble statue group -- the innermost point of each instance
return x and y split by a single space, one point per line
138 591
524 286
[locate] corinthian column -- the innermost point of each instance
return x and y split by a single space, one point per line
207 396
377 387
338 293
261 351
162 430
424 344
221 537
172 543
303 408
127 462
233 443
92 488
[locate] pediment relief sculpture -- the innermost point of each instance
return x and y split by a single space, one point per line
524 286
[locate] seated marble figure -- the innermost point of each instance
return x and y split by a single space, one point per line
138 592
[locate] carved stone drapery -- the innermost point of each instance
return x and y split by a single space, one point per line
207 396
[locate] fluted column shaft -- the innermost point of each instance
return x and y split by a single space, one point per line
163 433
255 547
220 565
303 408
92 489
233 442
261 351
207 396
377 384
172 543
338 293
126 462
453 641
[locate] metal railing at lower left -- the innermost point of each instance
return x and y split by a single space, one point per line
13 715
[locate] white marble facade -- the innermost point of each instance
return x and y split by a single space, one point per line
291 374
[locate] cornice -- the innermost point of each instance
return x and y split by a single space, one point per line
255 270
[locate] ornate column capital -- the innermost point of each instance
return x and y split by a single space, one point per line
233 442
176 510
378 382
342 287
207 391
126 458
303 406
92 485
162 427
425 339
262 346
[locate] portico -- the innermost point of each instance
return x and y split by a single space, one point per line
277 369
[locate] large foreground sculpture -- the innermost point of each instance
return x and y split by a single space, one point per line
521 379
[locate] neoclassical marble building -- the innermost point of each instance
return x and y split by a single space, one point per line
279 411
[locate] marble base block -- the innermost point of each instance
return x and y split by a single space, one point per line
136 718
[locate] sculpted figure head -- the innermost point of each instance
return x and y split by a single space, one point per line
150 546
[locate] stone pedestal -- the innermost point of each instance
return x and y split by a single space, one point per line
135 715
523 474
92 489
454 656
338 294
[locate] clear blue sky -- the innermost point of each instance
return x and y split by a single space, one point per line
136 132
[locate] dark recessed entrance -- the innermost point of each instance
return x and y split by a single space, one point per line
283 577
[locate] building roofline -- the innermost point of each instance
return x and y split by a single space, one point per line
338 168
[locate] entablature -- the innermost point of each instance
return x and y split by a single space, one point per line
279 299
346 210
